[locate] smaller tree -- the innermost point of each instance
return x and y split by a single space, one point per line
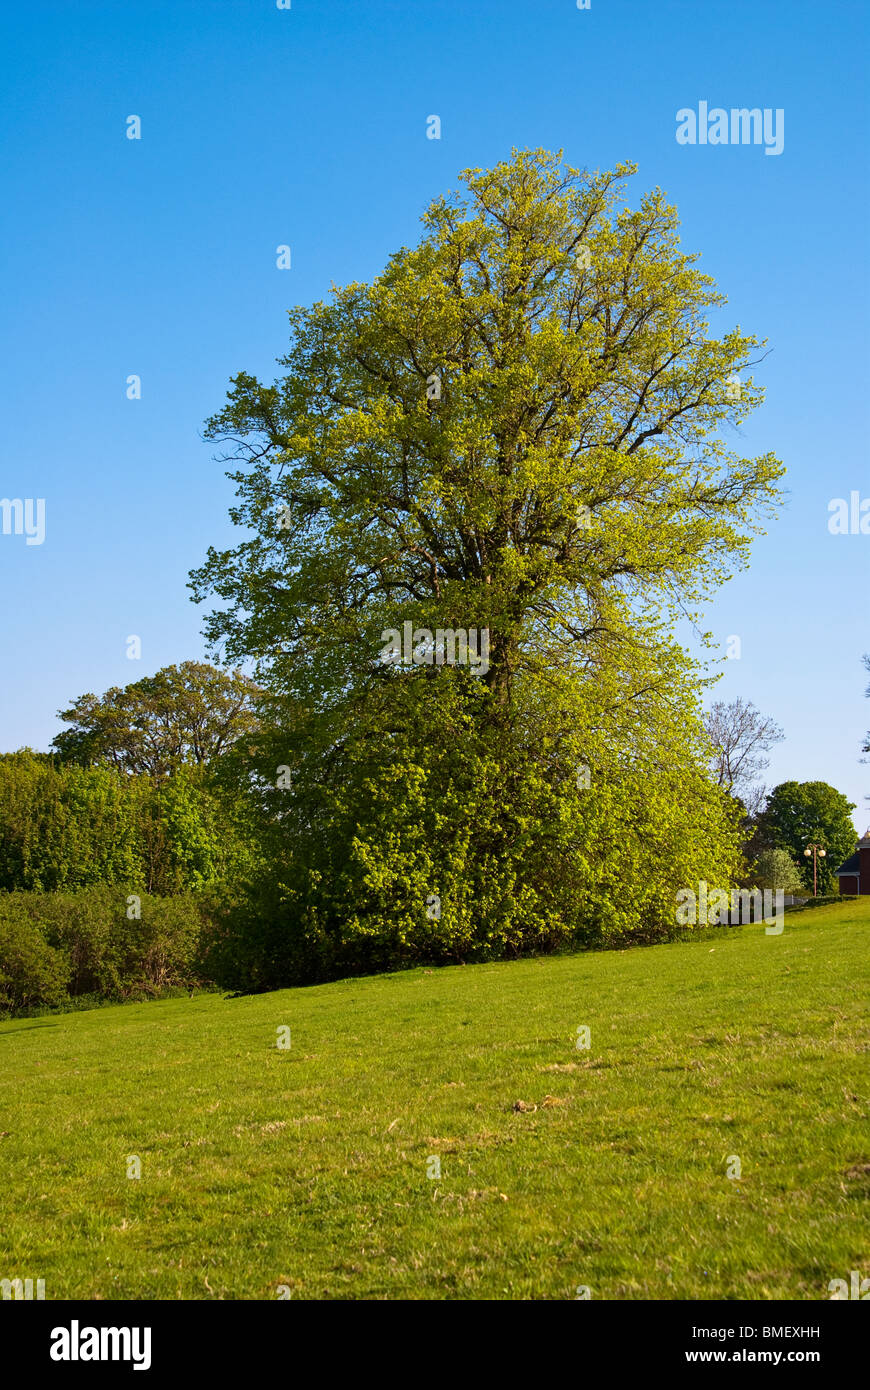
741 736
775 868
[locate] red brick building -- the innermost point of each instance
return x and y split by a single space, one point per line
854 874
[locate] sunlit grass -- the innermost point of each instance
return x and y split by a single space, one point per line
308 1167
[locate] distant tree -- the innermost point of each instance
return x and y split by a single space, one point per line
775 868
187 714
741 735
798 813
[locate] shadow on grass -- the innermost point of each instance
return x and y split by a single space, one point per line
38 1023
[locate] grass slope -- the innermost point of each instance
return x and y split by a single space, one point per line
308 1167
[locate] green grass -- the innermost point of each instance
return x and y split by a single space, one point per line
308 1167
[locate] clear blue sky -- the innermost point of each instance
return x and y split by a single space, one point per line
307 126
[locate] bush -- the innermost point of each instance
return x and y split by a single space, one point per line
60 946
775 868
31 971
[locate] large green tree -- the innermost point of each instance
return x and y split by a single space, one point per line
517 427
516 424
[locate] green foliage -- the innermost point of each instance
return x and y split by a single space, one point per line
429 844
187 714
69 827
32 973
567 488
66 827
800 813
95 942
775 868
192 834
516 427
79 847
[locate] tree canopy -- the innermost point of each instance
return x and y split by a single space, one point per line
741 737
515 425
800 813
187 714
516 428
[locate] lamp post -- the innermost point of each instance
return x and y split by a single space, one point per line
818 853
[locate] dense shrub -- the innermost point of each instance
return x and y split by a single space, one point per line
59 946
31 971
775 868
65 827
446 853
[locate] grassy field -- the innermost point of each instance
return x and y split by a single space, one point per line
560 1167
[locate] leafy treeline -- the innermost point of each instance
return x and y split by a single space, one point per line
129 795
183 715
108 880
66 827
119 850
799 814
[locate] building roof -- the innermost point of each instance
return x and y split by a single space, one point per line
851 866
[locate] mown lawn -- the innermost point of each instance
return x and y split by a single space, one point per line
309 1167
